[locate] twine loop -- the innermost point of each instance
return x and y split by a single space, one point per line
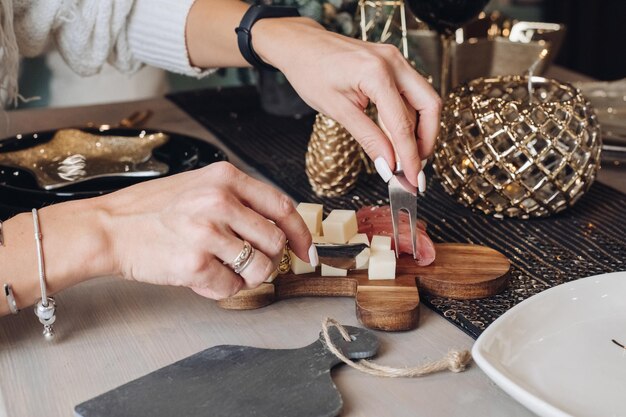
455 360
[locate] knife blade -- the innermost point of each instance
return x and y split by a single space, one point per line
339 256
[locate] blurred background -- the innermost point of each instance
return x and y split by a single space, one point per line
593 45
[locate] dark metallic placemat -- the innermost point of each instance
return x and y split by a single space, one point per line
585 240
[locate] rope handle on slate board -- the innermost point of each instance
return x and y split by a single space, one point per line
455 360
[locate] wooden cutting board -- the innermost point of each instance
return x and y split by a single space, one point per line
460 271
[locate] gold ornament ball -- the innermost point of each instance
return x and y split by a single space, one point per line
509 153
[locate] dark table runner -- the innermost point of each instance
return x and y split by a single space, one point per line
585 240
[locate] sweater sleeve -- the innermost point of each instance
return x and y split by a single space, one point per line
124 33
156 34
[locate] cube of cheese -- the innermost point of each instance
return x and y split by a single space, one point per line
319 239
329 271
382 265
360 238
363 259
312 216
380 243
298 266
340 226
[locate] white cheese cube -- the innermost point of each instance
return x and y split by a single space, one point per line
340 226
329 271
298 266
382 265
363 259
312 216
319 239
360 238
380 243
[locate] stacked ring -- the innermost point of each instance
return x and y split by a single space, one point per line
243 259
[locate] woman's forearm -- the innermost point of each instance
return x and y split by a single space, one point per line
75 248
211 37
210 33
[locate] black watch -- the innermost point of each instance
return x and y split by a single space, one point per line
244 37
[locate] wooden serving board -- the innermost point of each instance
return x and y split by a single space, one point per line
460 271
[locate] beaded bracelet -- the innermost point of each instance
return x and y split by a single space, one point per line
45 309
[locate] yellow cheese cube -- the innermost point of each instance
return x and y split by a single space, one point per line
298 266
382 265
329 271
360 238
340 226
380 243
312 216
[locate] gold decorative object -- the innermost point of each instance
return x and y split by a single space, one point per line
506 152
378 22
490 46
334 159
74 156
285 261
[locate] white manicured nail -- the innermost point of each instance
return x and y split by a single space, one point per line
421 182
383 169
313 258
424 162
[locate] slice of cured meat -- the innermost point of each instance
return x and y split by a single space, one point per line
377 221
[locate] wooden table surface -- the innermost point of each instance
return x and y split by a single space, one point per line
113 331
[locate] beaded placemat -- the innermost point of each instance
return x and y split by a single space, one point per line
585 240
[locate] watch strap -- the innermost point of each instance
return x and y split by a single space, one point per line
244 35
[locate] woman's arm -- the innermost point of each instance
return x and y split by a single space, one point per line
75 247
177 230
334 74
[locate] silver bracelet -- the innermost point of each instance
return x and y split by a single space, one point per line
46 308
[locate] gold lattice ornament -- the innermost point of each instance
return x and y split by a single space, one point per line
506 152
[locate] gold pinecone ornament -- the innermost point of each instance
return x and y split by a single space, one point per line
334 159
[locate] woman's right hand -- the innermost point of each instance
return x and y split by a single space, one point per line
179 230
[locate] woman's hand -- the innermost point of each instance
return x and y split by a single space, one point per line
179 230
334 74
339 76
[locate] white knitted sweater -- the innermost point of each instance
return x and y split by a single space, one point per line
89 33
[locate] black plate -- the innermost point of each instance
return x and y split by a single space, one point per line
19 189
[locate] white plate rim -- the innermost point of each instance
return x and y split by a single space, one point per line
531 401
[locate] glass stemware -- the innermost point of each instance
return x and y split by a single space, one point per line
446 16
